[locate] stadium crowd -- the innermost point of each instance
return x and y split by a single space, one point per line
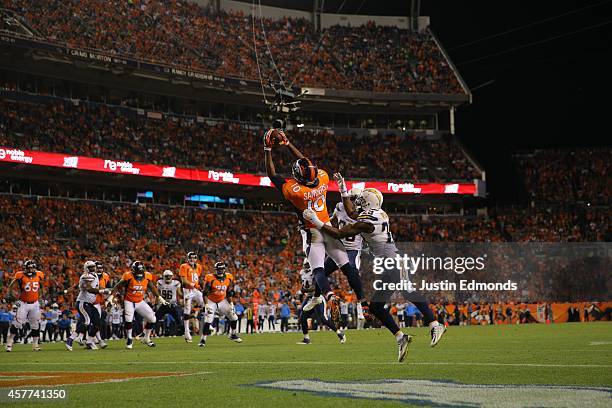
368 57
567 176
107 132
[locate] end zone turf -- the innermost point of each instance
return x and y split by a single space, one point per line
271 369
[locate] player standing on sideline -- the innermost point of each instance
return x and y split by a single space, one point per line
89 289
308 190
28 307
136 283
308 287
191 277
104 282
217 288
373 224
171 291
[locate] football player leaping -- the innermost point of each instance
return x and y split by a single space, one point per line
318 310
217 287
307 189
191 277
170 290
373 224
30 284
136 284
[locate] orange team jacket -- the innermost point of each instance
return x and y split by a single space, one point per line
218 288
103 285
29 286
136 290
303 197
190 274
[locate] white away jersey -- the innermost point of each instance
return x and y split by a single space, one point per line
307 280
169 291
88 280
350 243
380 240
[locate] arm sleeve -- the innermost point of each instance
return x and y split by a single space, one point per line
278 182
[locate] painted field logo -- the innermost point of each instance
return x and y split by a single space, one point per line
449 394
39 378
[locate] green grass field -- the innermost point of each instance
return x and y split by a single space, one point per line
225 373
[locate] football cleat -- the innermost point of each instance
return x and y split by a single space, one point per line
80 341
9 348
436 334
103 344
36 348
304 342
334 310
91 346
188 340
129 343
202 343
68 344
342 337
403 344
317 300
150 344
234 337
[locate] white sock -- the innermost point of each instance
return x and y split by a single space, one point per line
129 333
399 336
307 336
98 337
434 324
147 335
10 338
80 336
35 341
74 335
187 333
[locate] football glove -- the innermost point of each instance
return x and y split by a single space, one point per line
311 216
162 301
341 185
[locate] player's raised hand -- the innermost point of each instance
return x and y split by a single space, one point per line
311 216
341 184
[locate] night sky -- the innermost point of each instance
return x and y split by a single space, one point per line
553 94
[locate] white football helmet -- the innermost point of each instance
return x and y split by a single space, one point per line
355 193
89 267
168 275
370 199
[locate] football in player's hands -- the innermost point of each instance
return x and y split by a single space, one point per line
275 136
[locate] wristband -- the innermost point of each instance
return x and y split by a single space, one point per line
267 149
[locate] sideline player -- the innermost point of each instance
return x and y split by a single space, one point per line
373 224
30 282
191 277
136 283
217 288
308 287
170 290
307 189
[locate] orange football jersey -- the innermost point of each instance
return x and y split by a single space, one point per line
192 275
218 288
136 290
29 286
102 285
303 197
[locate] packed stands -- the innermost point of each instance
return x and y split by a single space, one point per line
566 176
369 57
110 132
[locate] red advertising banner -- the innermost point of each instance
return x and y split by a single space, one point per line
36 158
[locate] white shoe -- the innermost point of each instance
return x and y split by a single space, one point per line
436 334
312 303
403 344
103 344
188 340
9 348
